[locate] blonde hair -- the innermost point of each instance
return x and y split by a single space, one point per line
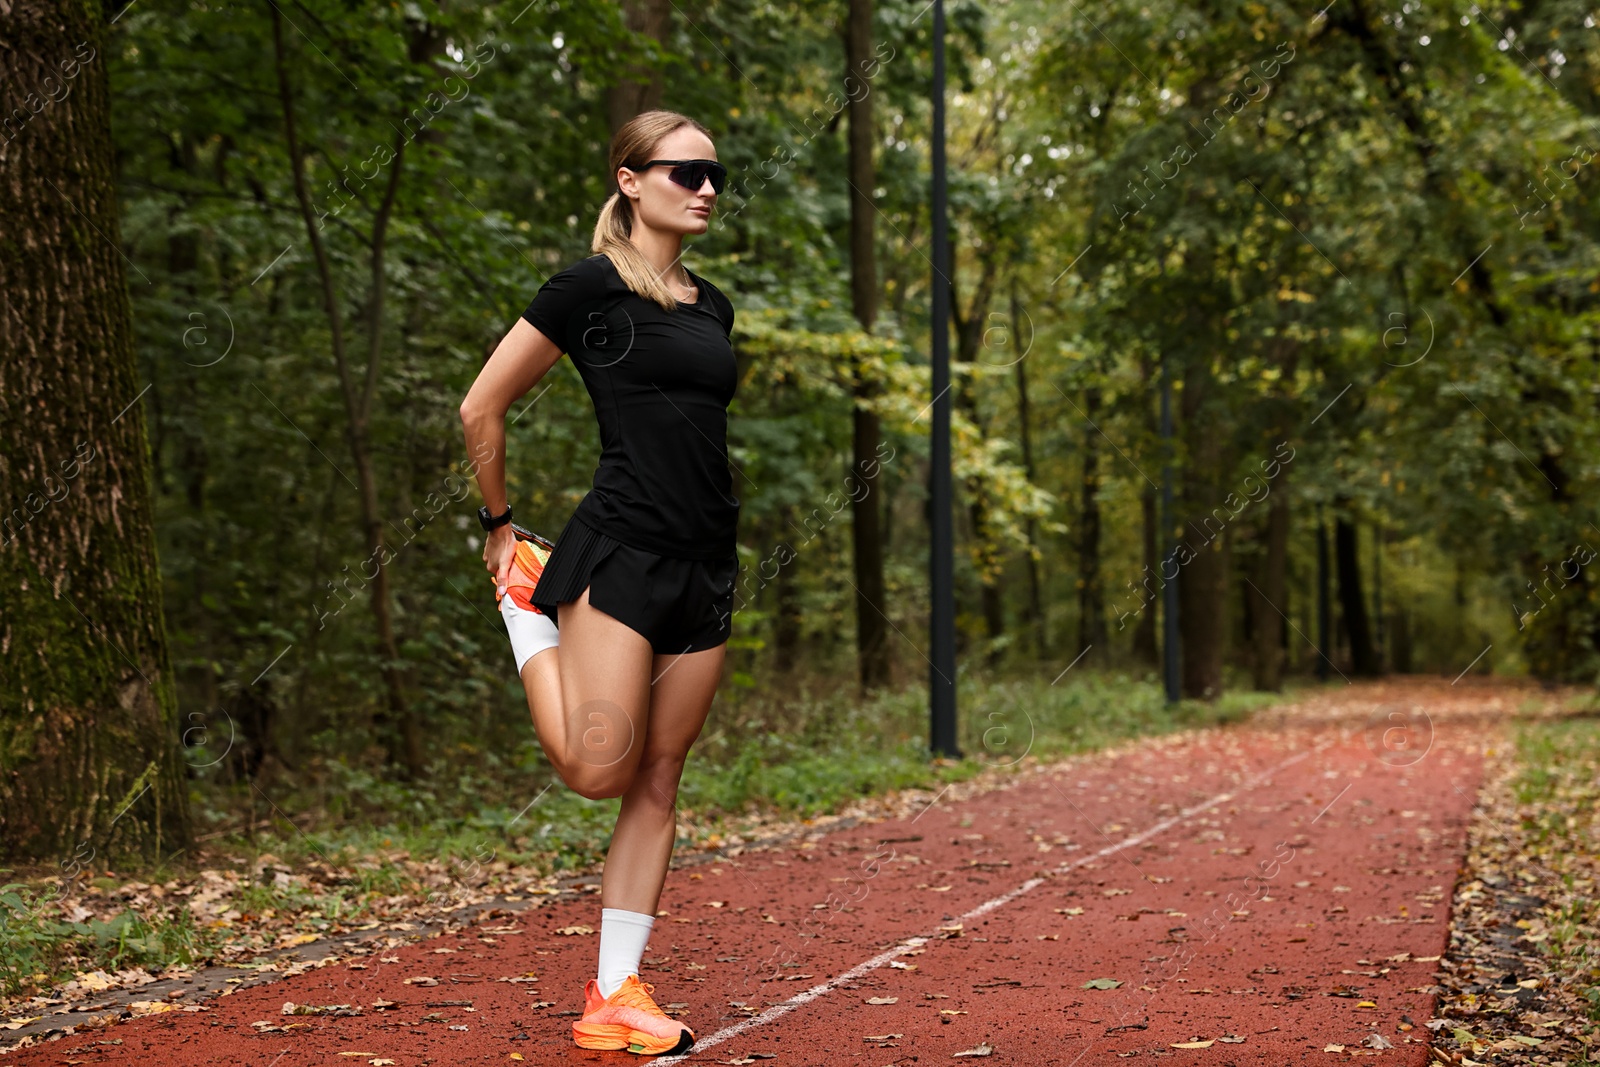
632 147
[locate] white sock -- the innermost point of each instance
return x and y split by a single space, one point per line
531 631
623 935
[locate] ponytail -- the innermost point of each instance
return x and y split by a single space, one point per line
611 232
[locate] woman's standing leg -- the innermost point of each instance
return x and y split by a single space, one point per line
647 825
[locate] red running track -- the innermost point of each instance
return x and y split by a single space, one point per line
1274 893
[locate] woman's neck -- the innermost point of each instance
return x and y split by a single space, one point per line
662 250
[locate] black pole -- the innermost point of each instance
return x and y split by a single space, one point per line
941 564
1170 652
1324 607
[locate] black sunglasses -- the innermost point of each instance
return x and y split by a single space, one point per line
692 173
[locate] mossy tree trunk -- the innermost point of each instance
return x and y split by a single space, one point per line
90 759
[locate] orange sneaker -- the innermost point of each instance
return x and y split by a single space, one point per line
628 1019
527 564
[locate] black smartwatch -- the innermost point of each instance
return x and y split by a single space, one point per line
493 522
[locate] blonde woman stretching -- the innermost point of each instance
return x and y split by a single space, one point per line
643 572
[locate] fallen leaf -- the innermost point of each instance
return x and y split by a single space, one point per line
1334 1048
291 1008
1231 1039
982 1049
1192 1044
576 930
1377 1041
151 1007
882 1037
1101 983
882 1000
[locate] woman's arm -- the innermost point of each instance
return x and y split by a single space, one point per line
522 358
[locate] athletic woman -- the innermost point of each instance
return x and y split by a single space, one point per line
640 580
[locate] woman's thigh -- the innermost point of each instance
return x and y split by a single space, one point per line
680 700
606 671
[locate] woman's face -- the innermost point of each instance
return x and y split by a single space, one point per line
661 203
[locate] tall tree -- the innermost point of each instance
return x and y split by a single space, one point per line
1352 602
1033 615
1091 593
872 635
88 707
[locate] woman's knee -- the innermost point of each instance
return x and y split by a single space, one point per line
659 778
596 784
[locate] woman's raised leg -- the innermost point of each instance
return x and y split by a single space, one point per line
589 698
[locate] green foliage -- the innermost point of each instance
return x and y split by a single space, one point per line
1385 260
37 947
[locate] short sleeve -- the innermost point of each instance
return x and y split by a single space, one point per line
553 306
723 306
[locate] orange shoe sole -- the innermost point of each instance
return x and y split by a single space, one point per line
613 1036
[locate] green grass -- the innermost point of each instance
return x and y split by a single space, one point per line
37 949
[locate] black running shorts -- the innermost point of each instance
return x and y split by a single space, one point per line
678 605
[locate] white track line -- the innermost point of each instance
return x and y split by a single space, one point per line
777 1011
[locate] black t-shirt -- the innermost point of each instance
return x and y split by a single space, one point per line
661 382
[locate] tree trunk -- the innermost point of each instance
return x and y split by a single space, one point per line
969 328
1203 617
1091 595
641 86
1324 601
1144 634
1267 599
1034 616
1201 558
1352 604
872 632
92 767
1202 579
